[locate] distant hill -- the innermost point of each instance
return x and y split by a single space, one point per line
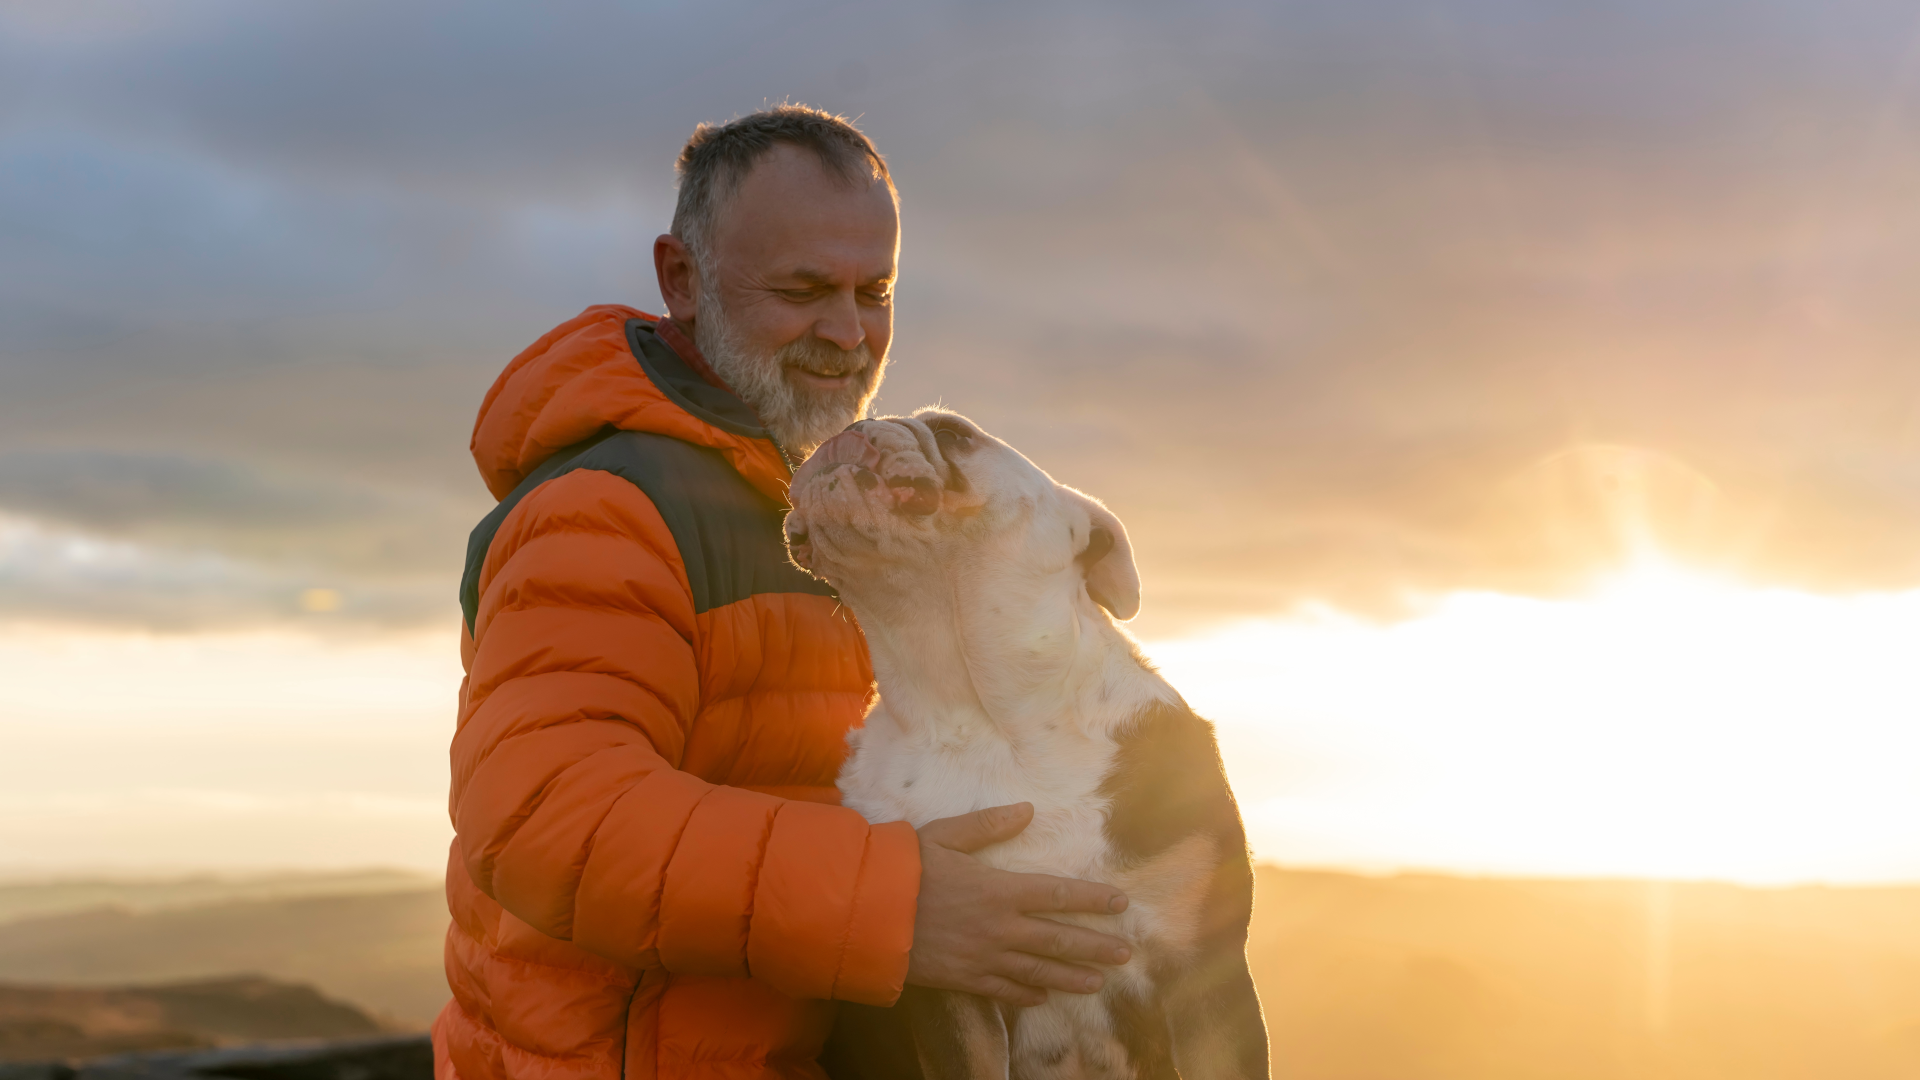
39 1023
380 951
1436 978
27 896
1393 978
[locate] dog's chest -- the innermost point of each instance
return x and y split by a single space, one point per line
917 776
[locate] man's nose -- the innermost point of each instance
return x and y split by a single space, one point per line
841 324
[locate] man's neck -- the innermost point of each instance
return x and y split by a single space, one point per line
680 341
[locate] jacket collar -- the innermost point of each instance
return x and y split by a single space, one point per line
608 368
682 343
669 357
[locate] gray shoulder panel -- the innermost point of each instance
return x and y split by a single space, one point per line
728 533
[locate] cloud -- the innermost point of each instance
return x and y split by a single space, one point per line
1315 295
178 543
71 578
245 508
117 492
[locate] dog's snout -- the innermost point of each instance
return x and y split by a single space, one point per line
924 498
873 454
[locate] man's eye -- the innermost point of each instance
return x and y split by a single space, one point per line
801 295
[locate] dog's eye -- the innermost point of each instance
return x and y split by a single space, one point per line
948 439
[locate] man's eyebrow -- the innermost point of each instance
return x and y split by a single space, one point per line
821 277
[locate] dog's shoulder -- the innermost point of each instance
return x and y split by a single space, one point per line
1165 783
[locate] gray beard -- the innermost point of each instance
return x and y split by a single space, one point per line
798 417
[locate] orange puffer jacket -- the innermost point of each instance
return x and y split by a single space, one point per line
649 877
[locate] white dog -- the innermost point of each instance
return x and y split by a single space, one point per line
980 584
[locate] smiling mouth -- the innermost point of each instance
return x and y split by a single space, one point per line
825 376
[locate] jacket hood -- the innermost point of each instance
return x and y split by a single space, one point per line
606 367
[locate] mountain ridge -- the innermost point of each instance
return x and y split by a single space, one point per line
1410 976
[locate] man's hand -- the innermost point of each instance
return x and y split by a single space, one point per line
973 930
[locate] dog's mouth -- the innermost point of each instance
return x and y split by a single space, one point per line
799 544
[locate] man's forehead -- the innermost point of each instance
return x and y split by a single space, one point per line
795 214
786 165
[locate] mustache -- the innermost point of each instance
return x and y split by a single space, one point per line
824 357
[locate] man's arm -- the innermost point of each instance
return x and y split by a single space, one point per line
569 806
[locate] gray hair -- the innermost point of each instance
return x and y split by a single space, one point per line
718 158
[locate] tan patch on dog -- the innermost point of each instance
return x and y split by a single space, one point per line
1068 1038
978 1048
1170 891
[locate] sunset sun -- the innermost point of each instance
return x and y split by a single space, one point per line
1668 724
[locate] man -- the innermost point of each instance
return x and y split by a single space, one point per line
651 875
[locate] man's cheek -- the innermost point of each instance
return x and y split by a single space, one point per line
879 330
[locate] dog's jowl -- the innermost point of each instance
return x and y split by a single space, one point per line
988 594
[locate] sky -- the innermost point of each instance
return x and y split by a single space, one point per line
1354 313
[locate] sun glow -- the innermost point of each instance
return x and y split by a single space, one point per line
138 752
1668 725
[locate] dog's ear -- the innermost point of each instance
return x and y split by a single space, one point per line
1107 560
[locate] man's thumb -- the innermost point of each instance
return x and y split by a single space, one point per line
971 832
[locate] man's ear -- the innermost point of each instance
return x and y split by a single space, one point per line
679 280
1107 560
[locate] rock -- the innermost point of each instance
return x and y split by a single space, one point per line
35 1070
64 1023
391 1057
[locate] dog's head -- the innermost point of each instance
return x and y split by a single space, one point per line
933 489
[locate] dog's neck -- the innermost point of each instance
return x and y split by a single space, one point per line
989 638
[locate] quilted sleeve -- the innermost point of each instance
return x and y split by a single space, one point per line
568 802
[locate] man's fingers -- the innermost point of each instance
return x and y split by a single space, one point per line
1048 974
971 832
1043 937
1043 892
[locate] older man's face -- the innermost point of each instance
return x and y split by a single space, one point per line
795 303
